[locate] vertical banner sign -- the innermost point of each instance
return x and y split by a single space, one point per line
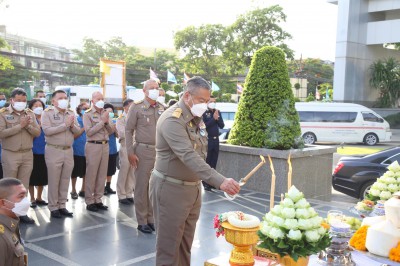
113 80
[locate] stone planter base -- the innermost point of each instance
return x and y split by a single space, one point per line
312 169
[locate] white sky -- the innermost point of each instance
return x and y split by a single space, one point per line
312 23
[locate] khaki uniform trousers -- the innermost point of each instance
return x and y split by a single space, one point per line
96 171
18 165
143 206
176 211
59 168
126 175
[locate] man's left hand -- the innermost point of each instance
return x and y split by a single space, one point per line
216 114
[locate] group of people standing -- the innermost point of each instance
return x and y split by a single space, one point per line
163 157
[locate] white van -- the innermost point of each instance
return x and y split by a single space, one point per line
342 123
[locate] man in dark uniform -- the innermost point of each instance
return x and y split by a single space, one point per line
213 120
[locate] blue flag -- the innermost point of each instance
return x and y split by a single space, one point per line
171 77
214 86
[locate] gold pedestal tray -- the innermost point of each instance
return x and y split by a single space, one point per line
284 261
242 240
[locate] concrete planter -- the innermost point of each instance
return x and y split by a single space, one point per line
312 168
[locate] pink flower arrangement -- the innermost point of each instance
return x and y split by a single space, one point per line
218 220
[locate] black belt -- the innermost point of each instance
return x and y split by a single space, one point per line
98 142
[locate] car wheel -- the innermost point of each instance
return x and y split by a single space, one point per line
365 189
309 138
370 139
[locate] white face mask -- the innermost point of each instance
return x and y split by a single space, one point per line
43 100
153 94
38 111
21 208
100 104
161 99
198 109
19 106
63 104
211 105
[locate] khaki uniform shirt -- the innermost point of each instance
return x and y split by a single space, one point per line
181 146
55 129
11 250
95 128
15 138
121 123
141 123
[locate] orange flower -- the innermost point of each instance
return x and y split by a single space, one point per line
394 253
358 239
325 225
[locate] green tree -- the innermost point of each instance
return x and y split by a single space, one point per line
250 32
385 76
266 115
5 63
14 77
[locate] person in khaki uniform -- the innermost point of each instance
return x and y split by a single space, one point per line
141 123
181 147
126 171
13 202
97 122
59 125
18 127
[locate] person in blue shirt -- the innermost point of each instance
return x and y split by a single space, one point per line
213 120
79 153
39 176
113 151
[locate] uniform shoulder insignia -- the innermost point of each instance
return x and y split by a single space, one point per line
138 102
48 108
2 110
28 110
177 113
1 229
120 116
88 110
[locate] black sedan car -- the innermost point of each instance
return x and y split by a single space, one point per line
354 176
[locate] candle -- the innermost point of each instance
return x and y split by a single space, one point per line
272 196
289 181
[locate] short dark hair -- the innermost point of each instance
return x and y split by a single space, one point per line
79 108
33 101
18 91
57 92
5 186
39 91
195 83
108 105
2 93
172 102
126 102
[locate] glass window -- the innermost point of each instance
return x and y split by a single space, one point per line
332 117
228 115
392 159
370 117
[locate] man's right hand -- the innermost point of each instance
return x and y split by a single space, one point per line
230 186
25 120
133 160
105 117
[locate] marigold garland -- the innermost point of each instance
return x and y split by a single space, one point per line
394 254
358 239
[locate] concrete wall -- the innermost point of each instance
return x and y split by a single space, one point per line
312 169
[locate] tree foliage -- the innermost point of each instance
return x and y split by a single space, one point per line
5 63
266 114
385 76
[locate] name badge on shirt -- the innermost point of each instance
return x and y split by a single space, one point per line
202 132
208 115
56 117
160 111
10 117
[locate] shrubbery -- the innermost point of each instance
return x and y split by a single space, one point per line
266 114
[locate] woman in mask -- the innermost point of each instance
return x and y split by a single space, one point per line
113 152
39 173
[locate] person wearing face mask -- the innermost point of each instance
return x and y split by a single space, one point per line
161 97
39 172
3 99
98 127
112 151
13 204
126 175
213 120
18 127
181 146
59 125
79 153
140 133
41 96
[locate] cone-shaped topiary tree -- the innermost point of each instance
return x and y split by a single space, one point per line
266 116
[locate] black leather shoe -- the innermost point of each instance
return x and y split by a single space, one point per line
92 207
144 229
101 206
55 214
109 190
26 220
130 199
81 194
65 212
41 203
124 201
152 227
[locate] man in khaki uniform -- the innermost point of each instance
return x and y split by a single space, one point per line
12 192
98 127
181 146
126 172
59 125
141 123
18 127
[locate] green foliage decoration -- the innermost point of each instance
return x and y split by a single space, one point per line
266 116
